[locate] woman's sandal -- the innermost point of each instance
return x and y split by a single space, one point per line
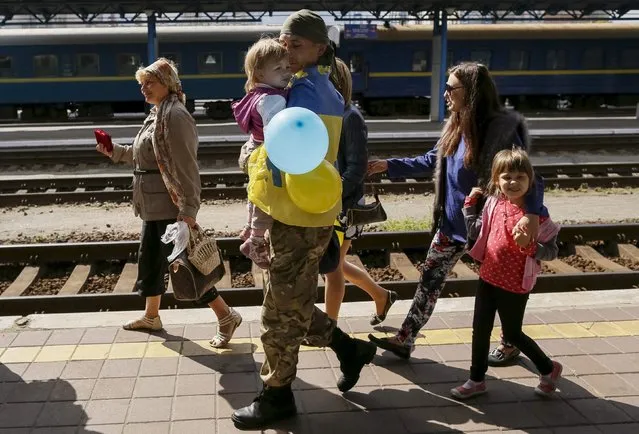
379 318
226 328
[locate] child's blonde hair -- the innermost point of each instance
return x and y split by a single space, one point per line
263 51
510 160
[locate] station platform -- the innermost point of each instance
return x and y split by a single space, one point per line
81 133
82 373
213 141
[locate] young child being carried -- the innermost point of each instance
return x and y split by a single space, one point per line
509 268
268 74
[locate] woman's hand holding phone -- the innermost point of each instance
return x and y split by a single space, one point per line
105 145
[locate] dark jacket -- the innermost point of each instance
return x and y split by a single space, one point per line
506 129
352 157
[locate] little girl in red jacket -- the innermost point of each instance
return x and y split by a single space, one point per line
509 269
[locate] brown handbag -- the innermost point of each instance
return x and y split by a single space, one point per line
189 283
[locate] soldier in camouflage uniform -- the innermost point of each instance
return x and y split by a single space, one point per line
298 241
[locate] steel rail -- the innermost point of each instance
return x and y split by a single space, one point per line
231 185
86 253
410 143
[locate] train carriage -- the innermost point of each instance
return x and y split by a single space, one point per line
533 63
45 72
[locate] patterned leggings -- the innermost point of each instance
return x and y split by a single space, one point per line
442 256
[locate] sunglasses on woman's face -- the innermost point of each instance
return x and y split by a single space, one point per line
448 88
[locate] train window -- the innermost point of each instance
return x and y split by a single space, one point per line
481 56
612 61
420 63
174 57
592 58
356 63
6 66
87 64
241 59
518 60
630 58
450 59
67 67
45 65
128 64
556 59
210 63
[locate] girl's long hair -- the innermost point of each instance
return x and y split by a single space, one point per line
342 80
480 105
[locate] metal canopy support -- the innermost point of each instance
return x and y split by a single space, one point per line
439 65
83 12
443 65
152 38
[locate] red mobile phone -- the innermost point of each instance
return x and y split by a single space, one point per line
104 139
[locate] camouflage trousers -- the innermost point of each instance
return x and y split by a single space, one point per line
289 314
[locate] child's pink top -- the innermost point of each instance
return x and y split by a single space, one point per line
255 110
504 264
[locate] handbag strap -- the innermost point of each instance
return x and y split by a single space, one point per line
374 191
195 235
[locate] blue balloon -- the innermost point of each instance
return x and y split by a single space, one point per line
296 140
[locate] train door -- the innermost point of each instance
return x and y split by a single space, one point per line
359 72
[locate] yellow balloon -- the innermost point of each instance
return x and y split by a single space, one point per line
317 191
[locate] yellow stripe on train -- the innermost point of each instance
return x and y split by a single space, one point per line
404 74
498 73
111 78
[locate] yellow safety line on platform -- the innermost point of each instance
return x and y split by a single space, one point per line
188 348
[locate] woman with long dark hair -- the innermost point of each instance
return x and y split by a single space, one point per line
477 129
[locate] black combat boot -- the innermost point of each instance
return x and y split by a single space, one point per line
271 405
352 354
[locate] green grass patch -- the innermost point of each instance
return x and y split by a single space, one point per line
404 225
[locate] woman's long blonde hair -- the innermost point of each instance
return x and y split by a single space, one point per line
263 51
342 80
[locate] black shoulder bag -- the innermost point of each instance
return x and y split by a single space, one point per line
360 215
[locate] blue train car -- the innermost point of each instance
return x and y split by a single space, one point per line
534 64
45 72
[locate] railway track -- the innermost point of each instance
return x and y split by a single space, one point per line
592 257
71 152
231 185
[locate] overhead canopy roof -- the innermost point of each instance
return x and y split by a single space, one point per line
87 11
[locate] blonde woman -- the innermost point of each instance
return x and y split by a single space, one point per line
166 188
352 161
